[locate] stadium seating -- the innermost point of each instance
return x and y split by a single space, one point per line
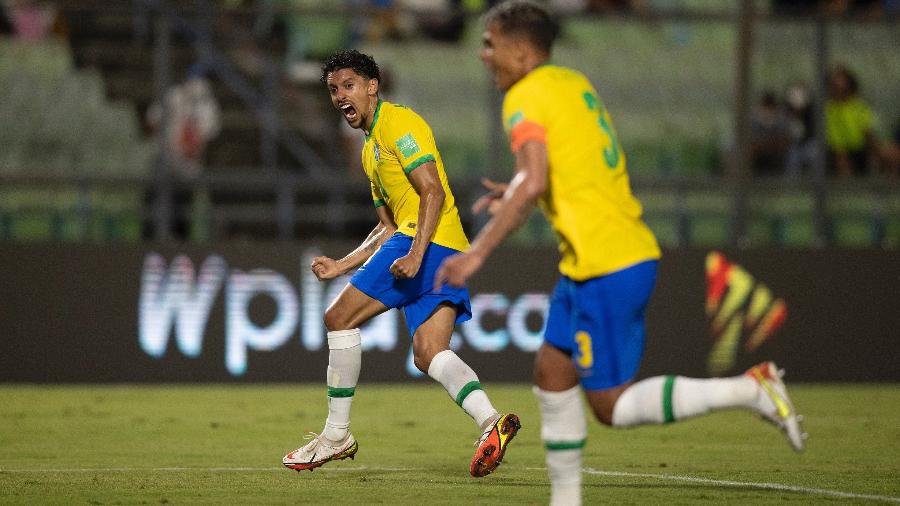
782 219
854 219
65 129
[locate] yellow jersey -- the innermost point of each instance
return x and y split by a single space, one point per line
588 200
399 142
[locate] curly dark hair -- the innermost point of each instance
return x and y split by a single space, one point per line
526 18
362 64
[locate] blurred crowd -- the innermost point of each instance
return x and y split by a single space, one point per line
783 132
783 129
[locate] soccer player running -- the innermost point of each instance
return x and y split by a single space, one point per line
568 160
418 227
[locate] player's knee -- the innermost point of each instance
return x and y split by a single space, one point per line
421 364
603 402
422 355
335 320
603 415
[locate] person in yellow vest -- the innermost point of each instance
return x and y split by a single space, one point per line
418 227
569 161
849 126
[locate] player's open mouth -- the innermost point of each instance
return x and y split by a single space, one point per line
349 112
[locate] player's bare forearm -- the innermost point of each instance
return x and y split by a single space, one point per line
382 231
368 247
519 199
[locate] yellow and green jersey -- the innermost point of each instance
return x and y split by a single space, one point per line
399 142
588 198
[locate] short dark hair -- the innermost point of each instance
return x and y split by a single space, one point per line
362 64
528 18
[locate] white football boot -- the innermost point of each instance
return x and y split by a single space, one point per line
319 451
775 405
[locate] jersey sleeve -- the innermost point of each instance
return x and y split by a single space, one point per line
523 118
377 197
410 139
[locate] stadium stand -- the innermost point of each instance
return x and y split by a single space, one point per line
65 129
668 84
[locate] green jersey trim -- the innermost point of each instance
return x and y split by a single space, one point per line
418 161
379 202
374 119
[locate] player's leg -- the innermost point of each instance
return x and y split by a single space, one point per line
349 310
433 356
352 307
666 399
431 318
614 321
563 422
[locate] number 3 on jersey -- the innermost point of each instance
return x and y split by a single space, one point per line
584 356
612 154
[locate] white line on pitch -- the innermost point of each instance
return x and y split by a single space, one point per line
730 483
196 469
591 471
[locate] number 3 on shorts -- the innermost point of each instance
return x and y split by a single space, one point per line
584 357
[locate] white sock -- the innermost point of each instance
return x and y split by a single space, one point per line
344 360
564 432
664 399
462 384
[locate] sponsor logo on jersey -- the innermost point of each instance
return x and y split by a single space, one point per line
407 146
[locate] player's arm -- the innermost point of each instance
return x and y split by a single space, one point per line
517 204
427 183
328 268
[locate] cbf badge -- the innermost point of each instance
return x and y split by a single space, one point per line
377 153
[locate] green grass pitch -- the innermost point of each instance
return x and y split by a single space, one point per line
222 444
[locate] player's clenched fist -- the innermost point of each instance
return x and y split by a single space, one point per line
325 268
406 267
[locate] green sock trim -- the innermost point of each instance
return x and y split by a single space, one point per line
341 392
466 390
668 413
564 445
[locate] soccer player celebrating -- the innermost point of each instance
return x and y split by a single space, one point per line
418 227
569 161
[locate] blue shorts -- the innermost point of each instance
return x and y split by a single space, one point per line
415 296
600 323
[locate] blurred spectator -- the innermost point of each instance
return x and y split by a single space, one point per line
6 26
32 19
443 20
795 7
376 20
849 126
617 6
868 9
800 115
192 119
769 137
313 30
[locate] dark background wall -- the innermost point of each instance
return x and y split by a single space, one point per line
90 314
